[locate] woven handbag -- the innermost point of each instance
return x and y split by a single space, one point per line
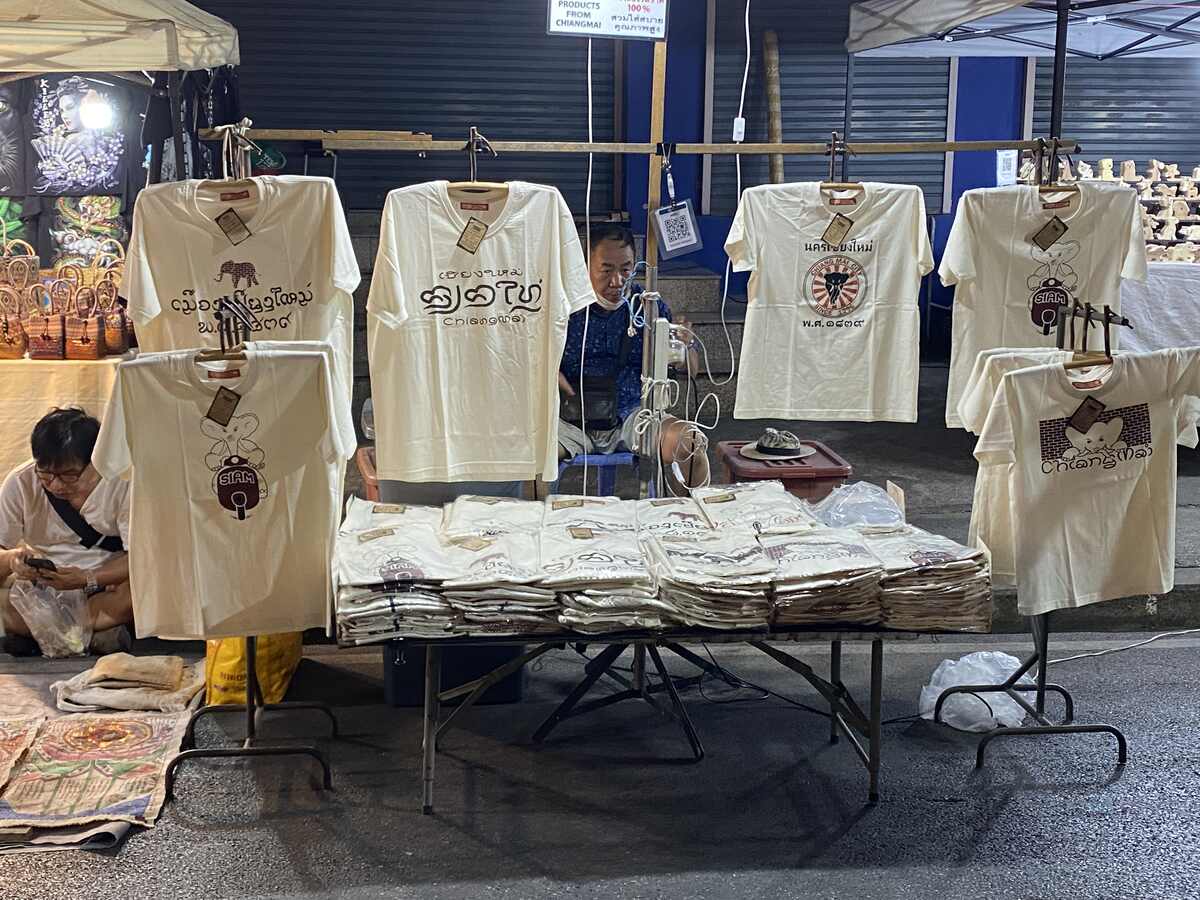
85 327
116 323
12 333
44 322
18 260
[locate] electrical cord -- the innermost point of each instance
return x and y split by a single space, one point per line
1133 646
587 312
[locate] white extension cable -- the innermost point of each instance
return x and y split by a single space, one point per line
587 230
1133 646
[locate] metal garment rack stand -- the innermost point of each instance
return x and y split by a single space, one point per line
234 323
862 728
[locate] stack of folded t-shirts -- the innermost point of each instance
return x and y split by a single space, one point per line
495 587
470 514
932 583
124 682
596 513
670 515
716 580
764 506
825 576
602 580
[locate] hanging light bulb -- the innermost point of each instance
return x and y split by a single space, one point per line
95 112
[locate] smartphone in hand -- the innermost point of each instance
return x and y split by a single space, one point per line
44 565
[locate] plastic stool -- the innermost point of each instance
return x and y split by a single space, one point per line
605 464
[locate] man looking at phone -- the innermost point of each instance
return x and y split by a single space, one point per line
64 527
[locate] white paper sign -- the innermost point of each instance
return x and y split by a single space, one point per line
626 19
1006 167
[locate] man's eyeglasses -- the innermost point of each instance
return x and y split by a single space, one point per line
66 477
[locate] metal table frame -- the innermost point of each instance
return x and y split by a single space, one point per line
862 728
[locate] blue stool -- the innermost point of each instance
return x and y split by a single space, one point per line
605 464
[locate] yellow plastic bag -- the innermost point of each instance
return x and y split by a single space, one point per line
277 657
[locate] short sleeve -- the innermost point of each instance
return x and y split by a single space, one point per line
346 273
996 445
924 251
112 457
137 282
977 396
386 301
343 438
577 283
741 244
1183 373
12 511
958 263
1133 254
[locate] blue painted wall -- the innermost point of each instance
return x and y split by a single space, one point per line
991 101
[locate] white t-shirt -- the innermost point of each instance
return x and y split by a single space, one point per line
464 346
232 526
296 270
1008 287
832 332
26 515
1095 509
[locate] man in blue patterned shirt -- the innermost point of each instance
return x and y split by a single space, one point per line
614 351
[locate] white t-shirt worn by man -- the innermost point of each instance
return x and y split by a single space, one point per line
832 329
292 265
466 333
234 508
26 515
1093 502
1008 287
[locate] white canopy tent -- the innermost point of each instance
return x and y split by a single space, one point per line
38 36
1097 29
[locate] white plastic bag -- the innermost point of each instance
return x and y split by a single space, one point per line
58 620
860 505
974 712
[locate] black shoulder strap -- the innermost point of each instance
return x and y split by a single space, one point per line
89 537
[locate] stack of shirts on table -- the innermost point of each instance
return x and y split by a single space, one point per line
485 516
602 579
826 576
932 583
494 590
763 506
717 580
596 513
671 515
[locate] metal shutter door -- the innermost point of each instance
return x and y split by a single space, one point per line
423 67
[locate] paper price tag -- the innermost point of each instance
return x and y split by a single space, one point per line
897 494
375 534
567 504
385 509
472 235
667 501
232 225
582 534
1086 415
1050 234
721 498
838 229
223 406
473 543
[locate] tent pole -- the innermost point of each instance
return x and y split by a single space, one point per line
848 116
175 101
1058 97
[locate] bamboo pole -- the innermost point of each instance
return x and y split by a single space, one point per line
774 103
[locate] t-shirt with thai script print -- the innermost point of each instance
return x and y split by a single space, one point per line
832 326
1093 486
1008 286
467 319
286 255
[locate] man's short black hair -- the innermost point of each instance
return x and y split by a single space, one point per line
64 439
608 231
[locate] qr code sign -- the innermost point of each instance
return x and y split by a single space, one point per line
677 230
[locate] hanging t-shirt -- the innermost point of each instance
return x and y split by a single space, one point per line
832 327
466 329
1009 287
1093 486
288 257
234 513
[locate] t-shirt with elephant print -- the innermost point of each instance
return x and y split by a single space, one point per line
234 507
285 253
1092 491
1008 288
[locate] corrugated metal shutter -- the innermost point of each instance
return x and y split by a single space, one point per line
893 99
438 68
1135 108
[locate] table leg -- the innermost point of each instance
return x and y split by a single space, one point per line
433 686
876 736
835 678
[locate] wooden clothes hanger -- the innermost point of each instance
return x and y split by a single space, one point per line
1084 358
836 146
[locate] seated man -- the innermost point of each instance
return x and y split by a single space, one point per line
612 353
57 507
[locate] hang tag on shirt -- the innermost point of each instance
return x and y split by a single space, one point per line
388 509
667 501
473 542
727 497
486 501
233 226
375 534
1086 415
1050 234
574 503
472 235
223 406
838 229
897 494
582 534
